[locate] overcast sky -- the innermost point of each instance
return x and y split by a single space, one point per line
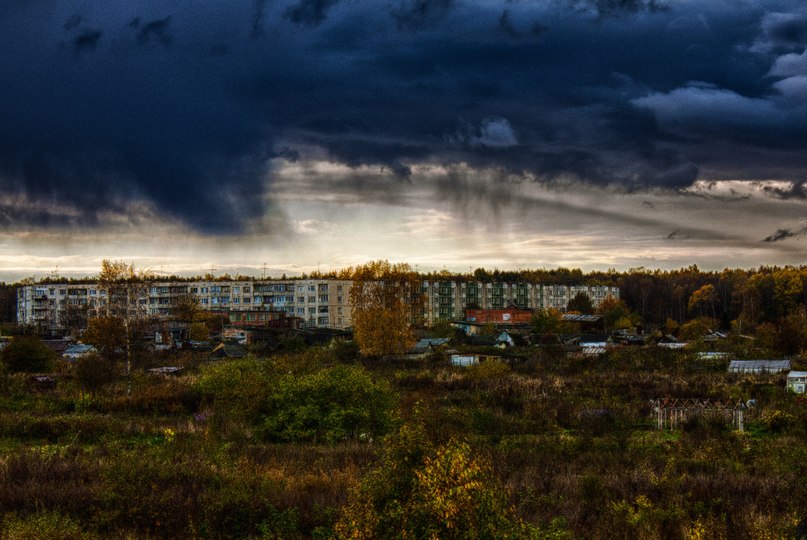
193 136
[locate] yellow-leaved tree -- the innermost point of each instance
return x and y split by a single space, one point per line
386 300
126 290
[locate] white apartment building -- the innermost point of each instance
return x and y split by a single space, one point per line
322 303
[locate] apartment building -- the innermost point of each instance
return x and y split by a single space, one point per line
66 306
447 300
321 303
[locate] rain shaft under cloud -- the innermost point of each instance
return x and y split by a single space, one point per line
181 106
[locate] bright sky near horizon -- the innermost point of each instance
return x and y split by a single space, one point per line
189 138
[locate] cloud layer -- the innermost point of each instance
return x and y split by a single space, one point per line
183 107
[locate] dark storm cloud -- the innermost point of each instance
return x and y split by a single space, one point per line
156 31
257 18
309 12
181 106
87 40
780 234
72 22
417 14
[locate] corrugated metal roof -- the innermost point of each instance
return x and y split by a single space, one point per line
579 317
796 374
759 365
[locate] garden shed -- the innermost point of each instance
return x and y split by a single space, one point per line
797 381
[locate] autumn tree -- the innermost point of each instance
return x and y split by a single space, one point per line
126 298
612 311
187 308
422 492
386 299
702 301
106 333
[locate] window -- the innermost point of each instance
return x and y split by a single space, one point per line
236 290
312 299
246 290
300 311
246 300
323 298
301 299
338 299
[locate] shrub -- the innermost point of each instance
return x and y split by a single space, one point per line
44 524
28 354
492 369
236 389
94 372
420 493
328 406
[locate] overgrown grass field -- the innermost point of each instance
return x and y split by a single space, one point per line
319 444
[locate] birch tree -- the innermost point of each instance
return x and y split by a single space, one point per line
126 298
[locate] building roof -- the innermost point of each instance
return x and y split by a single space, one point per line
580 317
77 350
759 365
57 345
797 374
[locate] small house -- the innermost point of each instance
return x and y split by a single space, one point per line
759 366
797 381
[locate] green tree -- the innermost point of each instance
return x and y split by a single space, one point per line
581 303
29 355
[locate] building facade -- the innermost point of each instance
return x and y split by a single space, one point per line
321 303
